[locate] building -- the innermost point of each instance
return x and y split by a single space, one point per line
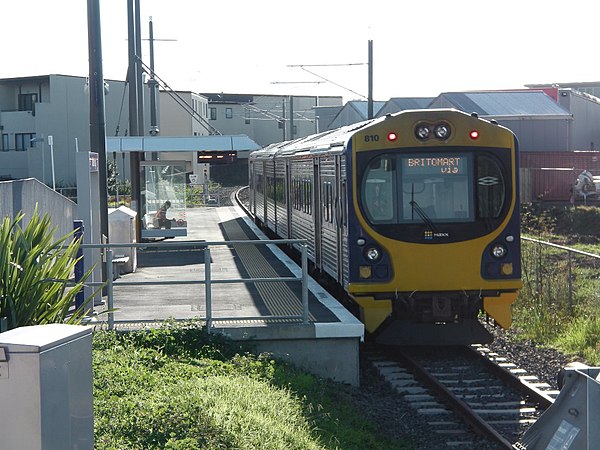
539 123
184 113
397 104
549 120
268 118
352 112
44 119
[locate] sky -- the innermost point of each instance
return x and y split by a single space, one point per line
420 49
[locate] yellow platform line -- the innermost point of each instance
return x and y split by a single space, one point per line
279 299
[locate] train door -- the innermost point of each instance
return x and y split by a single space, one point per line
290 201
252 185
328 233
339 216
316 212
344 206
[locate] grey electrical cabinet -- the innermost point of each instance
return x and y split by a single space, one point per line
46 394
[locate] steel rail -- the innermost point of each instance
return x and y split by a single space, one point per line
538 396
461 408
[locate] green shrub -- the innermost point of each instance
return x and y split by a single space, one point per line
35 272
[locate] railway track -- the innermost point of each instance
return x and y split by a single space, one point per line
472 398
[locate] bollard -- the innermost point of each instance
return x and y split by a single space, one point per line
79 268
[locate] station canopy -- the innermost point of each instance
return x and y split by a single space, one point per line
180 144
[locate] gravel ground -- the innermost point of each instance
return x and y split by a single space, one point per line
398 420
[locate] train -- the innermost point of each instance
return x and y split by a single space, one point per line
414 216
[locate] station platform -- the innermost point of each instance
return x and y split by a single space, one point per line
326 346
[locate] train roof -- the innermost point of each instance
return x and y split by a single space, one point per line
334 140
320 142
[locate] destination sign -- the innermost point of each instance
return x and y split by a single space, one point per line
434 165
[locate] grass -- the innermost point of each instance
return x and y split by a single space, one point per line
179 388
559 303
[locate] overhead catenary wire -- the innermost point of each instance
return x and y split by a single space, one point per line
180 101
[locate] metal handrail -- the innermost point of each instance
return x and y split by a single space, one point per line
208 280
562 247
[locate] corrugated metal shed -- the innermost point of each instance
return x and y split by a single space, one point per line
353 112
501 103
397 104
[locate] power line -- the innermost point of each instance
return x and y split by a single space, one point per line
180 101
304 67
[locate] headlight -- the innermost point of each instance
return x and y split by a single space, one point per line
373 254
422 132
499 251
442 131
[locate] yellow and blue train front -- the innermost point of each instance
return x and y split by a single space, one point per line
433 230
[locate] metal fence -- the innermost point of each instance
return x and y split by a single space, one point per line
208 281
540 265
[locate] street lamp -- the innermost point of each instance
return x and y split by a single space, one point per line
33 141
51 144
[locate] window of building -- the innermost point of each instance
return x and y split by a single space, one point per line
23 141
228 113
5 143
27 101
213 113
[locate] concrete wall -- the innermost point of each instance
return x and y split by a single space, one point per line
174 120
24 195
539 134
336 358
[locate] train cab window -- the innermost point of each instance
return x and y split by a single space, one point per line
491 192
416 189
437 188
379 185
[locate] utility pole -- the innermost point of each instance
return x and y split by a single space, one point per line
134 130
370 94
138 62
97 107
152 84
291 117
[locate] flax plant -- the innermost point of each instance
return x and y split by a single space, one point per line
35 272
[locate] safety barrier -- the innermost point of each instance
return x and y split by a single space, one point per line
208 280
572 420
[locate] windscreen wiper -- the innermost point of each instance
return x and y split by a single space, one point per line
423 215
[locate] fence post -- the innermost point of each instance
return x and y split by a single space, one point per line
538 271
109 289
570 283
207 289
304 285
79 268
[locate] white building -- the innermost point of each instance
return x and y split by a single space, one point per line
268 118
34 108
